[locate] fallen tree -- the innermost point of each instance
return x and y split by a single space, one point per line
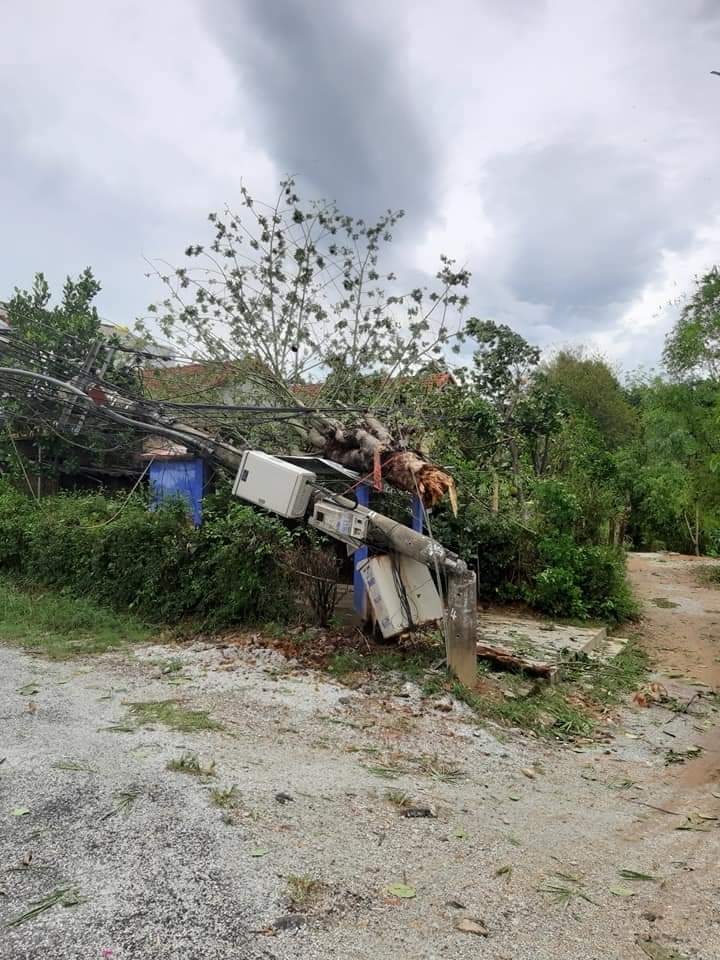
297 289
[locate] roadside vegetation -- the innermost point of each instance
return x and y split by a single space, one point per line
574 706
60 626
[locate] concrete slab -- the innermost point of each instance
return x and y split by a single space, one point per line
539 640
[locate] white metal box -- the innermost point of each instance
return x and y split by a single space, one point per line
339 522
269 482
381 575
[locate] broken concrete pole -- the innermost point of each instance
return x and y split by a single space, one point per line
461 627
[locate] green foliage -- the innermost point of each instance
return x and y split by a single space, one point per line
502 360
489 543
671 473
154 563
580 581
63 334
692 348
589 385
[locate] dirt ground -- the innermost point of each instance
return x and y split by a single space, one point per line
524 850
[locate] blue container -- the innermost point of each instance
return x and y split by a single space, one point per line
179 478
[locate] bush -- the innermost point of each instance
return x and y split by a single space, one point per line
580 581
489 543
152 562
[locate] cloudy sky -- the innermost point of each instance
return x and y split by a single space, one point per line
566 151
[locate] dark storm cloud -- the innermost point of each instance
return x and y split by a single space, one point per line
332 103
582 227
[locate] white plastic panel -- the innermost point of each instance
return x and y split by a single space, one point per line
269 482
422 595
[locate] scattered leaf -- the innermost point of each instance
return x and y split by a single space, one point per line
73 765
681 756
65 896
505 871
657 952
28 690
20 811
695 821
468 925
620 891
402 890
635 875
529 773
514 796
259 852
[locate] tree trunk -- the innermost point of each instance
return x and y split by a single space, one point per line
495 505
359 448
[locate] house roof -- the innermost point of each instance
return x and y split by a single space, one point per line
431 381
198 377
191 378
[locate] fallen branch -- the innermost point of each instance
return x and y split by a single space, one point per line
506 658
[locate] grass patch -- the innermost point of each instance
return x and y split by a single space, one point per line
399 798
664 603
438 769
168 665
226 799
709 574
75 765
172 714
412 665
189 763
565 710
303 889
62 627
546 710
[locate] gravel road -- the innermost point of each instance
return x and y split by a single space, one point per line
87 805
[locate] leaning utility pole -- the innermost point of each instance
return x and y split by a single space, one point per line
382 532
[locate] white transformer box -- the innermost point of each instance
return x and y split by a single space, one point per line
340 523
269 482
386 578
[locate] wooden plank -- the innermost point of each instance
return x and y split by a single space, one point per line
514 661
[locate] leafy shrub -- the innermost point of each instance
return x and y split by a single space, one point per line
580 581
488 542
152 562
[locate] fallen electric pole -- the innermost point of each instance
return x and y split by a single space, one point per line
381 532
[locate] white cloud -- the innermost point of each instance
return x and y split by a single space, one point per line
563 151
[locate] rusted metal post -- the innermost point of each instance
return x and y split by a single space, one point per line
461 627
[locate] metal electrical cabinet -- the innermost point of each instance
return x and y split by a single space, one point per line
386 577
269 482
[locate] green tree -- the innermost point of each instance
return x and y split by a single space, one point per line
56 339
673 469
505 374
692 348
590 387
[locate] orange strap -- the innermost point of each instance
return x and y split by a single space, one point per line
377 470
